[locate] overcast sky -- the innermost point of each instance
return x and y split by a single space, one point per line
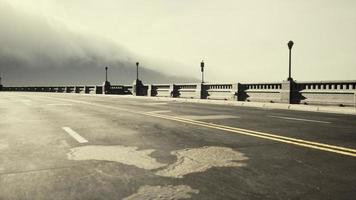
239 40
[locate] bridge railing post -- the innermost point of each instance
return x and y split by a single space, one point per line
106 87
149 90
235 91
198 91
288 92
86 89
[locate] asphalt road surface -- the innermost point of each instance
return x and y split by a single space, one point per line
70 146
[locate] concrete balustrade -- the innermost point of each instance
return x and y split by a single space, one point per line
220 91
260 92
161 90
188 90
120 89
341 93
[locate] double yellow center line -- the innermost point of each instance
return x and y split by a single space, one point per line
268 136
283 139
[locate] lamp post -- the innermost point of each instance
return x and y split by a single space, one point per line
106 74
137 63
290 45
202 71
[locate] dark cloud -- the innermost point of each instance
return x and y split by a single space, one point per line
35 51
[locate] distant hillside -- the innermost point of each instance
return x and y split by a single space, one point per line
35 51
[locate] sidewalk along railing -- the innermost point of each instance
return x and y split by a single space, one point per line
220 91
260 92
340 93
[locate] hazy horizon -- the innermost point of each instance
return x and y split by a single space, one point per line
239 41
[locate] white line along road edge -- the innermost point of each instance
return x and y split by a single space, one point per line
299 119
75 135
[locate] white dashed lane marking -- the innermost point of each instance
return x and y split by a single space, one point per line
202 117
27 102
159 111
155 104
75 135
299 119
59 104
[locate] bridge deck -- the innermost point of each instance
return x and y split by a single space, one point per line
70 146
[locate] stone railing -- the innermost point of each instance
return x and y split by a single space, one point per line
194 91
220 91
329 93
160 90
340 93
188 90
260 92
82 89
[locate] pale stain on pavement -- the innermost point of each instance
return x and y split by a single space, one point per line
169 192
3 145
201 159
121 154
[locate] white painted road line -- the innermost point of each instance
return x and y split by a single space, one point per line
200 117
155 104
59 104
299 119
159 111
75 135
26 102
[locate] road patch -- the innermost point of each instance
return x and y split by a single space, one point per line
122 154
169 192
201 159
3 145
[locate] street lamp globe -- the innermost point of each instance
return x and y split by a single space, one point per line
202 66
290 44
106 74
137 63
202 70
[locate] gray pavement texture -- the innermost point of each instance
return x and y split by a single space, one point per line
71 146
